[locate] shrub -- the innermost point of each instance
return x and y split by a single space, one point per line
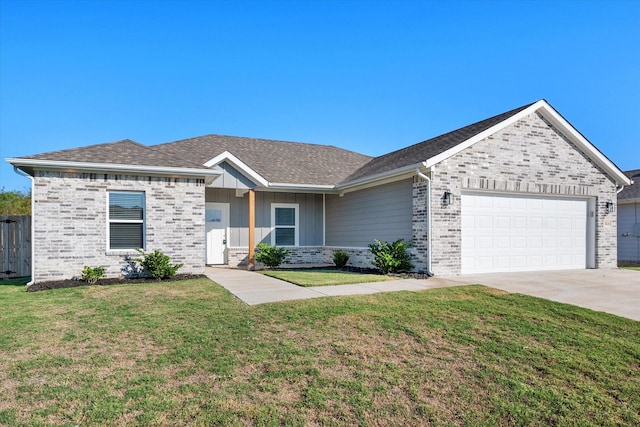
157 264
340 258
92 275
270 255
391 257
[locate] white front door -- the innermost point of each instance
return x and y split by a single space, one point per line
217 224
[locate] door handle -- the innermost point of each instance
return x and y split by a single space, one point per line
224 241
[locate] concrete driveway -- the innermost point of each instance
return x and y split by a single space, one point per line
611 291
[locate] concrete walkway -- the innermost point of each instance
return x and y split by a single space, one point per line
255 288
612 291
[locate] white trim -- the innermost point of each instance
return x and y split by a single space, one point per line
111 167
379 178
628 201
276 185
143 221
238 164
296 227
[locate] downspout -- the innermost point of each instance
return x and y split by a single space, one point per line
33 251
425 177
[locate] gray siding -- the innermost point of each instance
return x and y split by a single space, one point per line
310 215
231 178
357 218
628 242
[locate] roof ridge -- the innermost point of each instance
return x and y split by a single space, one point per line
249 138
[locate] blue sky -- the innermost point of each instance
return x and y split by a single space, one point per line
369 76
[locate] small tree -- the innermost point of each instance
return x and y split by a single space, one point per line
157 264
15 202
270 255
391 257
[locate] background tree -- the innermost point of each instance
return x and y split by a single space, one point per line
15 202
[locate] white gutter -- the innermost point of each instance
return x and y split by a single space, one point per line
379 176
33 251
111 167
425 177
281 185
622 188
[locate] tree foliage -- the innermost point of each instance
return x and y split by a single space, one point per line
15 202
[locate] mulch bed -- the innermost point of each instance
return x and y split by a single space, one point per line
69 283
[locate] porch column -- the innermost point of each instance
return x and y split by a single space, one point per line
251 265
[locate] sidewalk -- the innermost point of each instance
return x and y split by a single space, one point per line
255 288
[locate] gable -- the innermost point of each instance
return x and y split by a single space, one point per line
527 153
230 177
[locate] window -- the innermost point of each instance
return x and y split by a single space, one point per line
284 223
126 220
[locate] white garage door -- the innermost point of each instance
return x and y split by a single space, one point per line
514 233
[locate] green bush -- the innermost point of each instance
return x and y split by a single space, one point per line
391 257
340 258
92 275
270 255
157 264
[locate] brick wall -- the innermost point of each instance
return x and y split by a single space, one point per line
70 222
320 255
529 156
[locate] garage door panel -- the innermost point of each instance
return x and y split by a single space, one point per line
516 233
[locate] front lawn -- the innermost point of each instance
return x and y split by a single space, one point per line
189 353
324 277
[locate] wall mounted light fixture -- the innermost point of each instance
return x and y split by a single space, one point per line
610 206
447 198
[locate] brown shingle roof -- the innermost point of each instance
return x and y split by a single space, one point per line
422 151
632 191
276 161
125 152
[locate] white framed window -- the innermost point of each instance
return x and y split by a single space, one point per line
285 224
126 220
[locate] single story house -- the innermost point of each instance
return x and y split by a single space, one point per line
520 191
629 221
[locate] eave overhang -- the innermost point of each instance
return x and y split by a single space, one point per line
29 165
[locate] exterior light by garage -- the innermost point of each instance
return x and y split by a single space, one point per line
447 198
611 207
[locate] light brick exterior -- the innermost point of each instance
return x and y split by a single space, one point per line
70 219
527 157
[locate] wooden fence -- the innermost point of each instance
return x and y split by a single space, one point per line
15 246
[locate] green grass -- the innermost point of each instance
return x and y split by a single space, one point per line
189 353
630 268
324 277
